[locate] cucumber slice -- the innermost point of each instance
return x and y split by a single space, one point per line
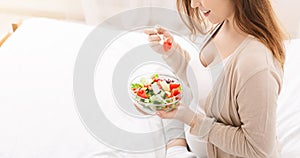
163 95
157 102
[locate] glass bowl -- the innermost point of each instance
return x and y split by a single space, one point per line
158 89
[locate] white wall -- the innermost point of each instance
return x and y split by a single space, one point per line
62 9
288 13
97 10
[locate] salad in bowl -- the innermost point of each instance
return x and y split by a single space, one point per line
152 92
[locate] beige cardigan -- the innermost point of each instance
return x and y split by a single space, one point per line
243 103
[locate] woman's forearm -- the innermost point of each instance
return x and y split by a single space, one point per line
178 59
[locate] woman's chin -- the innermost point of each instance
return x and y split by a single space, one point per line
214 21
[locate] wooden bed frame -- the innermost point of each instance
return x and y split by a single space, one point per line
14 26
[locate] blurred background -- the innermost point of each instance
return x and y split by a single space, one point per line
92 12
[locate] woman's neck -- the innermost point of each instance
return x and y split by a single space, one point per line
228 38
230 28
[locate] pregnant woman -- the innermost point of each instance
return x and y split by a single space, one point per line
239 118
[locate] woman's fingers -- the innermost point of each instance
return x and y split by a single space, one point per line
157 30
153 35
166 115
160 30
158 33
163 31
150 31
162 114
160 39
154 38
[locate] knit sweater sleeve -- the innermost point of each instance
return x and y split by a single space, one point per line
256 137
178 59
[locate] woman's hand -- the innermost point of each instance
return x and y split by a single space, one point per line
199 123
182 113
156 35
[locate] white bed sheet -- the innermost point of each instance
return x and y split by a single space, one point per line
38 118
37 113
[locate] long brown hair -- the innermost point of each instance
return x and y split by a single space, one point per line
254 17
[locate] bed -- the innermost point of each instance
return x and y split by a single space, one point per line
38 117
